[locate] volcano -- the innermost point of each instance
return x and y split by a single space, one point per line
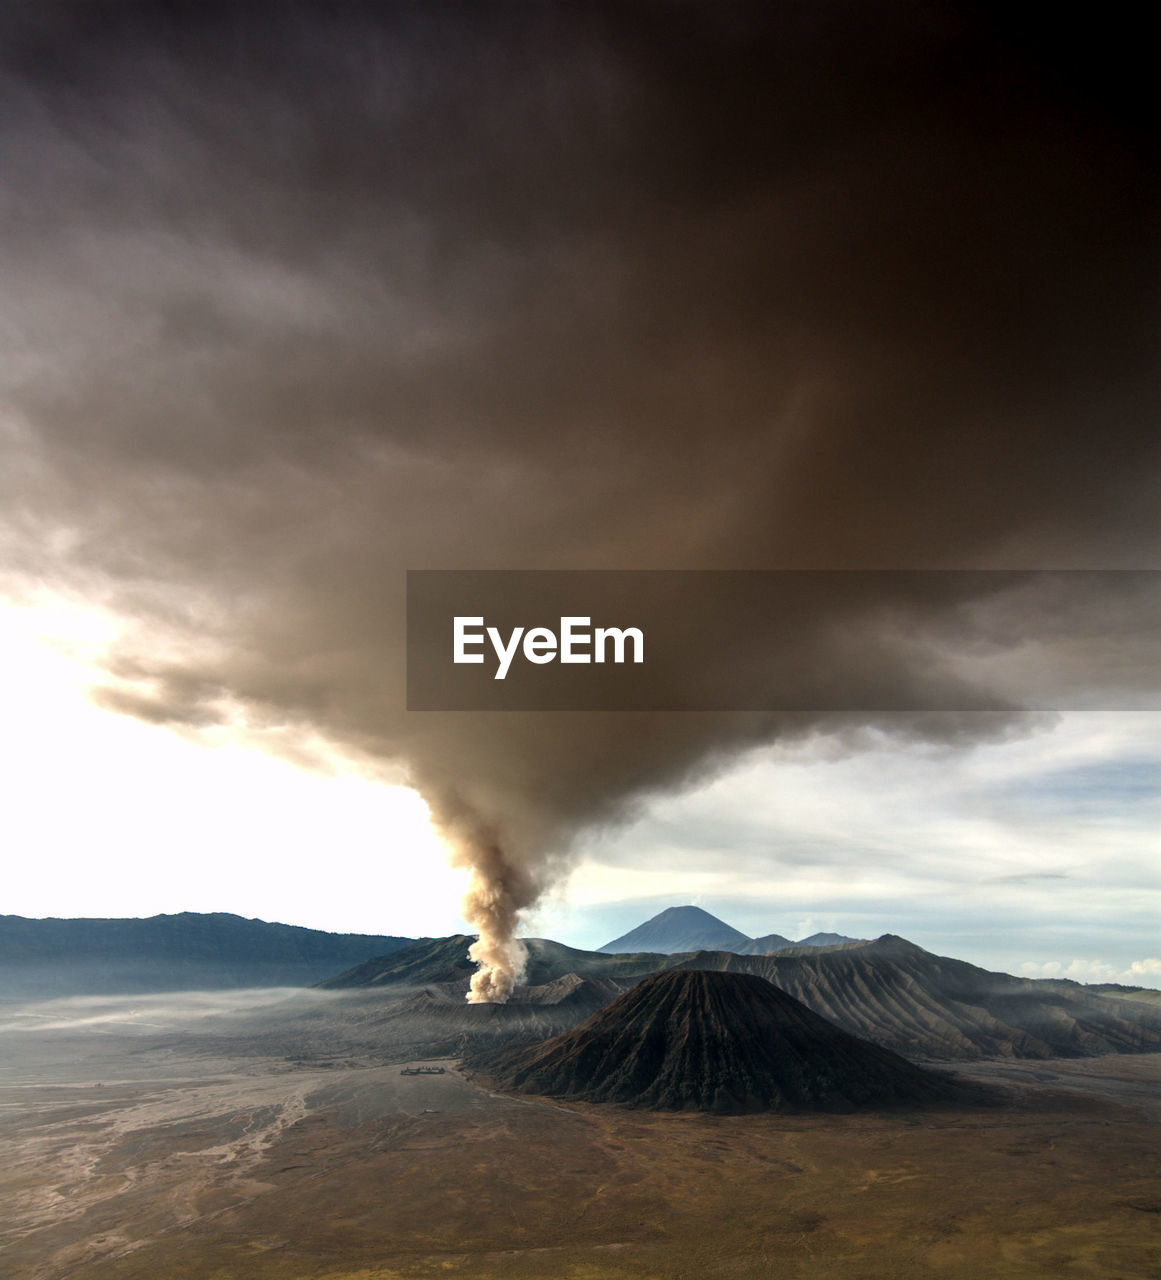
679 929
711 1041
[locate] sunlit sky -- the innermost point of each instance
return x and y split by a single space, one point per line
1038 855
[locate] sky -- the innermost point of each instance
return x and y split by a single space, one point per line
1037 855
299 297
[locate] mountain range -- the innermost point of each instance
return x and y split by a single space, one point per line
888 991
183 952
214 951
683 929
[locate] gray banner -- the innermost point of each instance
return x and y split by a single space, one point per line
811 641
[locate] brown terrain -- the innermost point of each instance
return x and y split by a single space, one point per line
144 1142
705 1041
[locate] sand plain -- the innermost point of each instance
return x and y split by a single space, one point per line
143 1141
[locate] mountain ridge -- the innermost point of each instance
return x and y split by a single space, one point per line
886 990
186 950
690 928
895 993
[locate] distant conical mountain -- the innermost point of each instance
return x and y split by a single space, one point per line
709 1041
678 929
681 929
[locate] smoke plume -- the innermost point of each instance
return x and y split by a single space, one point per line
301 296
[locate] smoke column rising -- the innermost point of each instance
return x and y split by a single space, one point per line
497 893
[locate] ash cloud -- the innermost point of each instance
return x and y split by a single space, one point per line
301 296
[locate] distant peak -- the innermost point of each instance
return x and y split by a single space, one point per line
895 942
679 929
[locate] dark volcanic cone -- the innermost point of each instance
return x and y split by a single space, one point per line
706 1041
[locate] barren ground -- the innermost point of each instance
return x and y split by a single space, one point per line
143 1145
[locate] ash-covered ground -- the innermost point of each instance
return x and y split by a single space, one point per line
272 1135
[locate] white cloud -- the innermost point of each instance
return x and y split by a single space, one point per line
1049 841
107 816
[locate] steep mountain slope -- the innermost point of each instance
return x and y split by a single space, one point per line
424 961
712 1042
896 994
42 958
445 960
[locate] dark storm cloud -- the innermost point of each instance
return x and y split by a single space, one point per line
300 296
